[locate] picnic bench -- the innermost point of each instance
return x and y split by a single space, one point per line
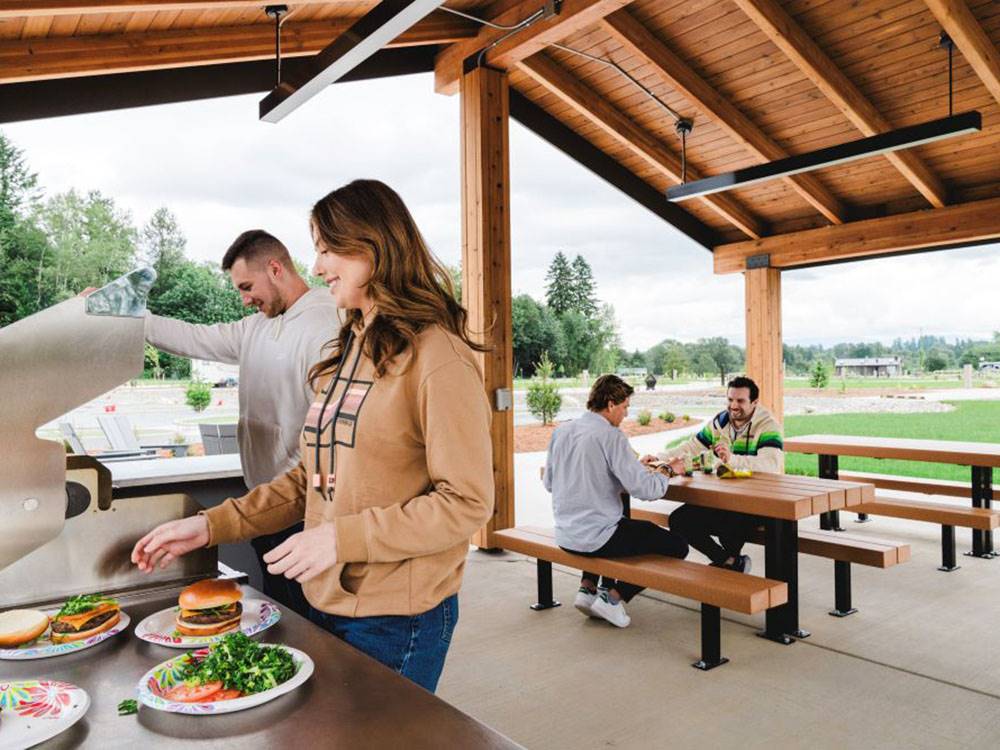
714 588
889 500
842 549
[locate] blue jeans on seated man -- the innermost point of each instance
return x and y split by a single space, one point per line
414 646
284 591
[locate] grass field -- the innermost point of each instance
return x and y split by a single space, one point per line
972 421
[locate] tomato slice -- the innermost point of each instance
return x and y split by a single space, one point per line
194 694
223 695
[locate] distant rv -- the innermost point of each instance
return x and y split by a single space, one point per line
991 368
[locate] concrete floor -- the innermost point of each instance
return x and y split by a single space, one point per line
917 666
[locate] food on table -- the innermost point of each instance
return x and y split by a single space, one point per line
724 471
84 616
128 707
209 607
20 626
234 667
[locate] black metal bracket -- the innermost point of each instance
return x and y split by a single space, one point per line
711 639
545 600
763 260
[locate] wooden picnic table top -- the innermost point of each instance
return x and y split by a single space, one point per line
781 496
908 449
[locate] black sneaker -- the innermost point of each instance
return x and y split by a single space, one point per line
742 564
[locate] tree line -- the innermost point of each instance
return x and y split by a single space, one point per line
52 247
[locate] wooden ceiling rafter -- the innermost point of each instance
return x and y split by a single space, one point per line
33 8
610 120
574 15
55 57
927 229
642 44
970 38
791 39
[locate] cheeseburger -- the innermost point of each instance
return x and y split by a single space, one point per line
84 616
209 607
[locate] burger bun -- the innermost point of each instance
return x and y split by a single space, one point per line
20 626
210 592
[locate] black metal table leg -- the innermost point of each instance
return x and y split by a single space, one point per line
545 600
947 550
842 589
982 497
781 562
829 469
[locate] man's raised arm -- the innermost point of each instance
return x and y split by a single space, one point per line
217 343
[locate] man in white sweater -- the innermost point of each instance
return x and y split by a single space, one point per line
274 350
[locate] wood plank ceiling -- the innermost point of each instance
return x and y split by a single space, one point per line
761 79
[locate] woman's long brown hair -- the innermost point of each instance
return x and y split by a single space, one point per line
410 287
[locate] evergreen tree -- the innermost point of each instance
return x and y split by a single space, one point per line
559 293
163 246
584 289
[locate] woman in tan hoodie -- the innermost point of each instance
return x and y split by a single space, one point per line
396 469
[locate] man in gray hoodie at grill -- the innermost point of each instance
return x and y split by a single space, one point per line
274 350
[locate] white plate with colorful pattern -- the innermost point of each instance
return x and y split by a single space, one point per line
159 628
32 711
43 647
157 681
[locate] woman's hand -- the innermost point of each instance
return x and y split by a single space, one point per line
305 555
168 541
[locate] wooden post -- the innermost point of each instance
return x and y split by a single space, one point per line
486 264
764 355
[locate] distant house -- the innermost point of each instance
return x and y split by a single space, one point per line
875 367
989 367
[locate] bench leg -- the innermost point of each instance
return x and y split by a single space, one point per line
830 521
842 589
545 600
862 518
948 549
982 497
711 638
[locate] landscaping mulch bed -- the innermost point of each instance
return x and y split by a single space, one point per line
529 438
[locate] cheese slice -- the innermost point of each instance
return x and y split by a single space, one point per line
77 620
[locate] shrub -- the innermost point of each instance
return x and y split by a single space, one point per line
819 377
644 417
686 418
543 395
667 416
198 396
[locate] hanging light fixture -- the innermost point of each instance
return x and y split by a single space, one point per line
863 148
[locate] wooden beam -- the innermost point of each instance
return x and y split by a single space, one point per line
617 125
964 224
486 264
969 37
763 322
574 15
60 57
29 8
789 37
643 44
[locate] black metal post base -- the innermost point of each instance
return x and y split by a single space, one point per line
842 613
862 518
545 600
704 666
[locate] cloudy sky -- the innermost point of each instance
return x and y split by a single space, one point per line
221 171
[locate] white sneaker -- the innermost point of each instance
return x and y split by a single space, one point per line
585 600
613 613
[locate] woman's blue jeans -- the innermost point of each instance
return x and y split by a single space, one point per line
415 646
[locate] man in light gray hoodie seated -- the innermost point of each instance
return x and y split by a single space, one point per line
274 349
590 463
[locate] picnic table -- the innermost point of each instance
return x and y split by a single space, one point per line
982 458
782 500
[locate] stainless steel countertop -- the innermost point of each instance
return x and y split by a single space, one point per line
167 470
351 701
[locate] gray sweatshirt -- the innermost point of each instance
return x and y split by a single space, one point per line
274 355
590 463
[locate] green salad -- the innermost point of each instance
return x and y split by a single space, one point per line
242 664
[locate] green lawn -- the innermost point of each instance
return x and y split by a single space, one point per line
921 383
973 421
